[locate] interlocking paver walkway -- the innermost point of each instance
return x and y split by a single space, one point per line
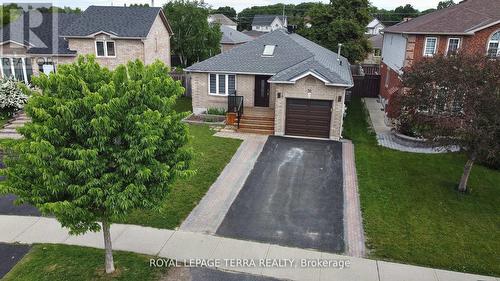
210 212
9 130
181 245
384 135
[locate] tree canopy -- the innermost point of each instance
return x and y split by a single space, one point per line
229 12
193 39
100 145
453 100
341 21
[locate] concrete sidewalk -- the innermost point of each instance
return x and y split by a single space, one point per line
182 245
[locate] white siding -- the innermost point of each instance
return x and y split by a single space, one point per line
393 50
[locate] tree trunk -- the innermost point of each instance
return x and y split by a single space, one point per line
110 266
462 187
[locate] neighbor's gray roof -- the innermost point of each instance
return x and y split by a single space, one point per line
131 22
461 18
377 41
265 19
42 38
231 36
294 55
222 19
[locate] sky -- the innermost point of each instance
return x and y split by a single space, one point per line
237 4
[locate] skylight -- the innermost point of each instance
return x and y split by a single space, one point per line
268 50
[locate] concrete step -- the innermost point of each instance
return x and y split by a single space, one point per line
256 131
14 125
8 131
10 136
20 121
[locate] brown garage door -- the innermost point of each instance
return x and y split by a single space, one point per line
310 118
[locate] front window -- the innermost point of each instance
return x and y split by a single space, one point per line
377 52
221 84
430 46
453 45
19 68
493 45
105 48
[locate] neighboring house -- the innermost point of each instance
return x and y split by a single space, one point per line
374 27
38 42
268 23
222 20
472 26
253 33
375 56
232 38
299 83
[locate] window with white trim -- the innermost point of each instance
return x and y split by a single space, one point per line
105 48
221 84
430 46
19 68
494 45
453 45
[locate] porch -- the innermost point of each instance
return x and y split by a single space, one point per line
257 120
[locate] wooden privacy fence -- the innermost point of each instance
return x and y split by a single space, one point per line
366 81
185 79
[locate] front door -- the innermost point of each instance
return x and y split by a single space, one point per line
261 91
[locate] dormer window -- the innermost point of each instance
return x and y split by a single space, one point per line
268 50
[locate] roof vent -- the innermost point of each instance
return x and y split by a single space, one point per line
268 50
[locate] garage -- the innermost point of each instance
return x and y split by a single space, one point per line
308 118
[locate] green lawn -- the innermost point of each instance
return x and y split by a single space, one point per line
61 262
412 212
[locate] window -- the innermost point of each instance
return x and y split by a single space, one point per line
268 50
430 46
18 68
453 45
105 48
377 52
493 45
221 84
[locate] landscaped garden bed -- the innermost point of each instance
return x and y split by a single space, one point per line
205 119
412 211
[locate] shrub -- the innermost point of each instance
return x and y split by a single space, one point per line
12 97
216 111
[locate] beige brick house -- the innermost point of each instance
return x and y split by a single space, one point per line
288 85
38 42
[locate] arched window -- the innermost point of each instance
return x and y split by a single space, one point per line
493 45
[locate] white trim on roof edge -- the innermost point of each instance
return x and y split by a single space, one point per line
228 72
484 26
309 73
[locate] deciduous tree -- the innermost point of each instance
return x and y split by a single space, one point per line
101 144
455 100
194 39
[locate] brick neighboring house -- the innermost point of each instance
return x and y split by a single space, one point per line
472 26
38 42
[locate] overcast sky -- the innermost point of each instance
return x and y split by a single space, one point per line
237 4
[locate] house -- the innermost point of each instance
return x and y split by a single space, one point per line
268 23
374 27
232 38
253 33
375 56
288 85
38 42
222 20
472 26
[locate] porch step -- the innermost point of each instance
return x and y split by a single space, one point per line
257 126
257 121
257 117
256 131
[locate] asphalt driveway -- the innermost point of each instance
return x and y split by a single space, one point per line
292 197
10 254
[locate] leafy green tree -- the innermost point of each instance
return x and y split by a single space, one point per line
341 21
100 145
9 13
445 4
194 39
229 12
454 100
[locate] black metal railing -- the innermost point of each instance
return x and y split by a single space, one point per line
235 104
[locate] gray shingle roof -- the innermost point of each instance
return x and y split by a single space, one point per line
221 19
44 37
131 22
461 18
265 19
231 36
294 55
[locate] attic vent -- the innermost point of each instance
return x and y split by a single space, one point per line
268 50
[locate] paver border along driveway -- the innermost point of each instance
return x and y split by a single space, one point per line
292 197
